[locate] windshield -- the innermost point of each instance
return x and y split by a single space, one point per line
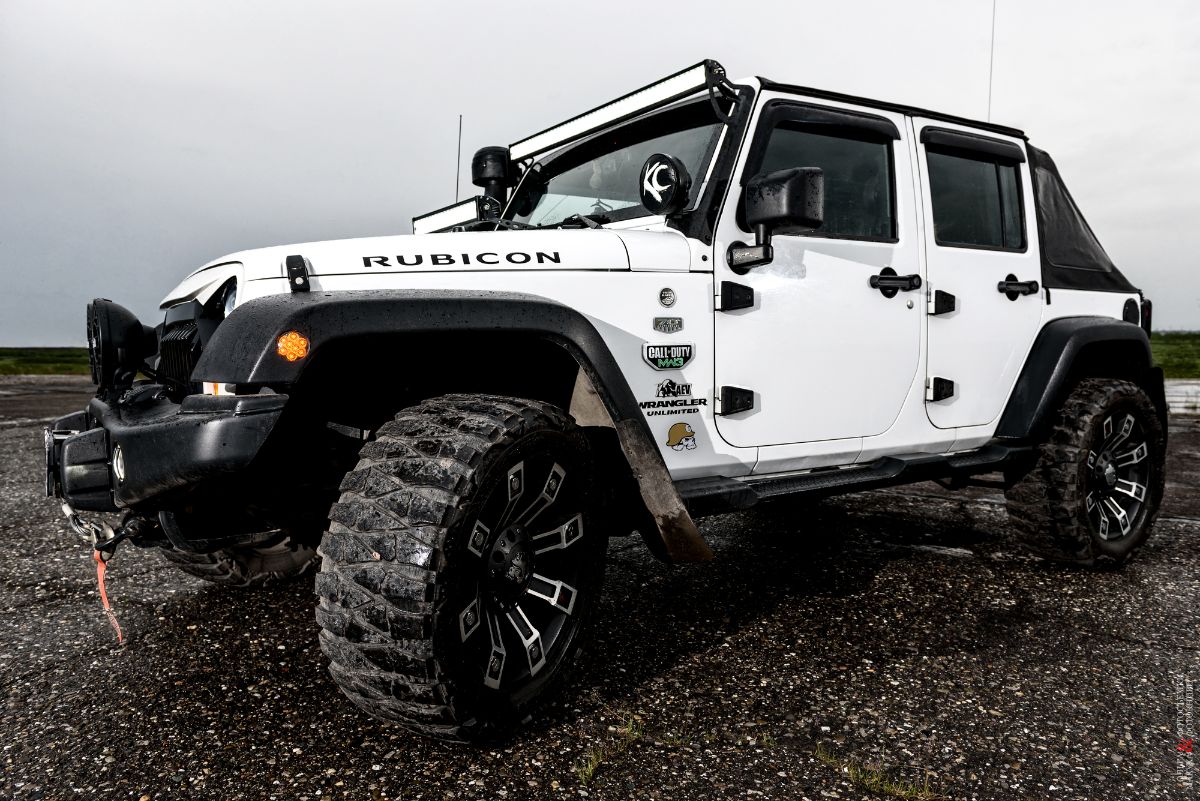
599 176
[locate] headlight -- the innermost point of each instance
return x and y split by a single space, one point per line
229 302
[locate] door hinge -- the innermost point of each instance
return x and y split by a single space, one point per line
735 399
297 273
942 302
938 389
735 296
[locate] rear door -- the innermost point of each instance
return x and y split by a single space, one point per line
825 355
983 269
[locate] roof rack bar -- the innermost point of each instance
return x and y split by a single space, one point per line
673 87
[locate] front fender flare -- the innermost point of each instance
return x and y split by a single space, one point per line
242 351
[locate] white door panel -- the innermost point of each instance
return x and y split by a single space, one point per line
981 346
827 356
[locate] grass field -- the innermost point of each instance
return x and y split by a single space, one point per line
1177 352
44 361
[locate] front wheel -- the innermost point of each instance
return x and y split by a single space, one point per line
1092 497
461 564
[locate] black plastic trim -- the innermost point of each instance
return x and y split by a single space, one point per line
242 351
973 143
1050 370
883 105
165 446
717 494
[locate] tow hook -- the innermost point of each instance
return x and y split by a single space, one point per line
100 536
104 541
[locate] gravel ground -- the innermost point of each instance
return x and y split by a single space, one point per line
895 630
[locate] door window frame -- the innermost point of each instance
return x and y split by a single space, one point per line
972 146
827 121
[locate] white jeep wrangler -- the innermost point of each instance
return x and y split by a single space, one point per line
703 295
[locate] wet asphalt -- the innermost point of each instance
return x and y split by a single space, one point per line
897 631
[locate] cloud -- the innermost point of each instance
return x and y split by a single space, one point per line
142 139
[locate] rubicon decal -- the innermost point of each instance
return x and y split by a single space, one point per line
667 357
445 259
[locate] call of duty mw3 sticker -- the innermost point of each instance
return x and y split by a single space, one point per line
666 296
667 357
681 437
668 325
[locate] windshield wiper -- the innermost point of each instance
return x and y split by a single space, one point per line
581 221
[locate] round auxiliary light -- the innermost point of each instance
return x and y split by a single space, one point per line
292 346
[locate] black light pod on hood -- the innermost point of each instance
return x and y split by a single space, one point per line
492 171
118 345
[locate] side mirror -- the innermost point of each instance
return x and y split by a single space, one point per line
784 201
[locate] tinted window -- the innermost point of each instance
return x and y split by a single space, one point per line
976 201
858 177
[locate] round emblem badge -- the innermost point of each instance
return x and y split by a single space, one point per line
667 297
664 184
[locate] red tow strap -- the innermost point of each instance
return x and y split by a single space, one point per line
101 566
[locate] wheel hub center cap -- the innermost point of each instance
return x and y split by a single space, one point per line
510 563
1109 474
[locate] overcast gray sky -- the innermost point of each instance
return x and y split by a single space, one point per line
141 139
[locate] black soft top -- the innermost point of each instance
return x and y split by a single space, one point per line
1072 256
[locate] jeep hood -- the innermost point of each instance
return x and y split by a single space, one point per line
587 249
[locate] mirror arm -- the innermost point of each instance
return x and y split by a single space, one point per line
743 257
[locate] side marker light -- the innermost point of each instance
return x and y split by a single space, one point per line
292 346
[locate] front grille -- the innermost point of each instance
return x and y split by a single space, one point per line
178 350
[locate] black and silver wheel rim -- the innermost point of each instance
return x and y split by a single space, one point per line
1118 477
525 560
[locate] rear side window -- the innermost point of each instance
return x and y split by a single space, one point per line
858 177
976 201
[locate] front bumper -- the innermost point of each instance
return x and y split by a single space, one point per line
142 450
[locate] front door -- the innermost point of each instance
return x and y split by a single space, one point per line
983 266
825 355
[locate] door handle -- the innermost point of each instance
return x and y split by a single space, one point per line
1013 289
888 283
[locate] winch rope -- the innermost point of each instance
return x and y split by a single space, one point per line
101 560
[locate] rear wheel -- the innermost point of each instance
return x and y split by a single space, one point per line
1092 497
461 564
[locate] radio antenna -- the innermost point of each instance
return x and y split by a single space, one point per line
991 61
458 160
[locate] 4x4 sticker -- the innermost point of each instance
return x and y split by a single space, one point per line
681 437
668 325
667 357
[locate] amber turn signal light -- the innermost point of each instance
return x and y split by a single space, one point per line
292 346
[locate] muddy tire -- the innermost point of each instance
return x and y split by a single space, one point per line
247 566
461 565
1095 490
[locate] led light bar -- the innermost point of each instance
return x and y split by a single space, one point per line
673 87
479 207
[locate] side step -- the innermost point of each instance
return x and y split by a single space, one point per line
717 494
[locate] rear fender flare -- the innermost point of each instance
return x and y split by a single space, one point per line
1067 350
